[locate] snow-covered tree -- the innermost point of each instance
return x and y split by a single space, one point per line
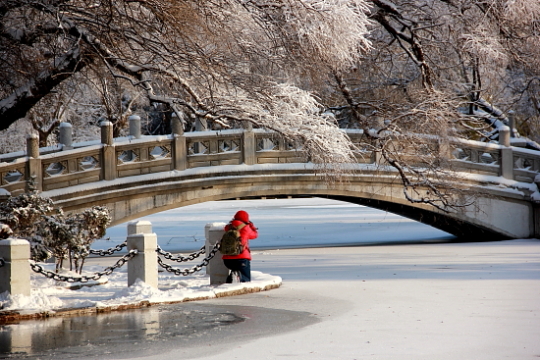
481 55
194 56
50 231
22 214
440 68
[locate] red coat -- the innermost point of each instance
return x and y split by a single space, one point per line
248 232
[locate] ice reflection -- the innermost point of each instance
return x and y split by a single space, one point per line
49 336
142 332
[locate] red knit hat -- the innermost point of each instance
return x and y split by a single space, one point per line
242 216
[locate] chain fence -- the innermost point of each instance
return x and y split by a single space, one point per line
110 251
180 258
83 279
167 255
185 272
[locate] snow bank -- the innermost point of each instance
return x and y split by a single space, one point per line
50 296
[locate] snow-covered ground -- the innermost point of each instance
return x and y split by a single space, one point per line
429 300
450 301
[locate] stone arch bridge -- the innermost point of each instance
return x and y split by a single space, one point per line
137 176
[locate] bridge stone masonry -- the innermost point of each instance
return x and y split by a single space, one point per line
139 175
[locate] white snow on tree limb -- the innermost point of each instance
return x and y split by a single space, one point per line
484 44
297 115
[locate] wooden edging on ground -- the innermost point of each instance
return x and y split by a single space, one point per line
14 316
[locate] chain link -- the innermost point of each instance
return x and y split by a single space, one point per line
194 269
109 251
180 258
83 279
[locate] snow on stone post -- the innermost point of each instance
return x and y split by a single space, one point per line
4 195
33 165
135 126
144 265
106 132
179 146
15 274
506 167
66 135
249 151
108 152
215 268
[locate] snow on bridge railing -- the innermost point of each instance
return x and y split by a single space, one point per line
129 156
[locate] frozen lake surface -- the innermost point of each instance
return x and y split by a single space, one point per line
414 294
283 223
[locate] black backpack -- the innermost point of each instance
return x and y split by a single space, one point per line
231 243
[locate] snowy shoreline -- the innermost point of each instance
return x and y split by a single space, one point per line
50 298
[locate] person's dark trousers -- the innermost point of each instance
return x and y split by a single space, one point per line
243 266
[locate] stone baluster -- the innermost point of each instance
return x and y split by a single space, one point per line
33 176
215 268
249 145
201 124
108 152
135 126
144 265
179 145
66 135
506 167
15 273
376 157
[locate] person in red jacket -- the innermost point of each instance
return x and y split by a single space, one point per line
242 261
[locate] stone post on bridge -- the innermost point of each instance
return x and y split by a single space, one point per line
249 145
66 135
33 166
506 167
216 268
108 152
15 269
179 146
144 265
135 126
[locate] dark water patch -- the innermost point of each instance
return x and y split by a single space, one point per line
196 329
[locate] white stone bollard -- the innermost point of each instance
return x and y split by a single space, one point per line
66 135
135 126
15 274
215 268
504 136
144 265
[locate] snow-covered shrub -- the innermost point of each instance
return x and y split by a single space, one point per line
21 214
70 236
51 232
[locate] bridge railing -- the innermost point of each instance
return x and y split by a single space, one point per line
491 159
156 154
526 164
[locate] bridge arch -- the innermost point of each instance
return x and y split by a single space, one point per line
145 195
